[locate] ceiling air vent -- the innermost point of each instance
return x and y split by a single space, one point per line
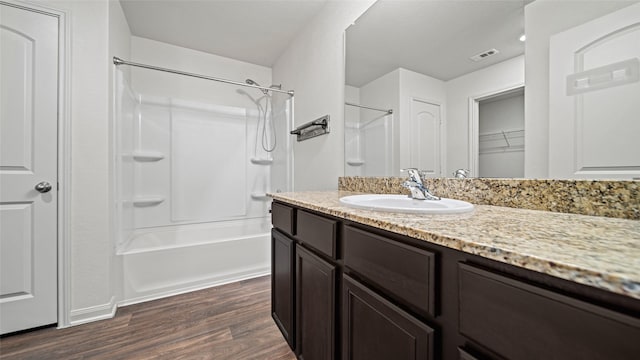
484 54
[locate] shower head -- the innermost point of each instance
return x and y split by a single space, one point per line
251 82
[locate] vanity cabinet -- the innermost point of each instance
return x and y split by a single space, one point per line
304 281
361 292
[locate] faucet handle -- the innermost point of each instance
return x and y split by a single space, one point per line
414 174
461 173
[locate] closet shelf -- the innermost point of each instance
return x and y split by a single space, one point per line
147 201
502 141
147 156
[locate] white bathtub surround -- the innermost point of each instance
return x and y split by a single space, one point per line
191 208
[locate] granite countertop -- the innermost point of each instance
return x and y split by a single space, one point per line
597 251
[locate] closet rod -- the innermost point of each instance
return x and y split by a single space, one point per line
117 61
389 111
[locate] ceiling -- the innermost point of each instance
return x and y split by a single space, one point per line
255 31
435 38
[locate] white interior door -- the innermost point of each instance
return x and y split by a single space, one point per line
28 156
425 137
594 88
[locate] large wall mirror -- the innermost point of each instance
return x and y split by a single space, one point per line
440 85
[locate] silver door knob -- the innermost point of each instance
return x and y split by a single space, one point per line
43 187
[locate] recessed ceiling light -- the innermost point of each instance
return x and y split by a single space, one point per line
523 37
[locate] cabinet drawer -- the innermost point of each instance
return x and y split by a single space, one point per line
520 321
403 272
317 232
375 329
282 217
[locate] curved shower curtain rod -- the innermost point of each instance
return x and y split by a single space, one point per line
117 61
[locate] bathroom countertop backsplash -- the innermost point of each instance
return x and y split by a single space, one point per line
610 198
602 252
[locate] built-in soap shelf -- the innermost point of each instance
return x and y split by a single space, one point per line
355 162
259 196
259 161
147 201
147 156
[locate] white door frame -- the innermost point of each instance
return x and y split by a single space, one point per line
474 121
64 155
443 145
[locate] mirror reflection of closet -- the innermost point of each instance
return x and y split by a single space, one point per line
501 135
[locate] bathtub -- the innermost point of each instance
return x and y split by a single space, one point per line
165 261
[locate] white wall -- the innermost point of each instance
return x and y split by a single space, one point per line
150 82
313 65
352 136
120 46
89 238
495 78
502 114
382 93
544 18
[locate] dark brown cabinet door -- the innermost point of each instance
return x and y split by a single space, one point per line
315 306
373 328
282 282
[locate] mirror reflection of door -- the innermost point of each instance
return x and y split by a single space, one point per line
426 135
501 135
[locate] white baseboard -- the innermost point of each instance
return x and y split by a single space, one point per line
108 310
93 313
199 286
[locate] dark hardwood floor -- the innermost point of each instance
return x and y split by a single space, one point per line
231 321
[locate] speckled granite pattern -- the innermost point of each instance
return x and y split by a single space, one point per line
610 198
596 251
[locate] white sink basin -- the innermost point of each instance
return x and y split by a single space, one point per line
405 204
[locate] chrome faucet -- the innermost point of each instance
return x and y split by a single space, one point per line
461 173
415 185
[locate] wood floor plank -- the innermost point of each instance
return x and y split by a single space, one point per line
231 321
